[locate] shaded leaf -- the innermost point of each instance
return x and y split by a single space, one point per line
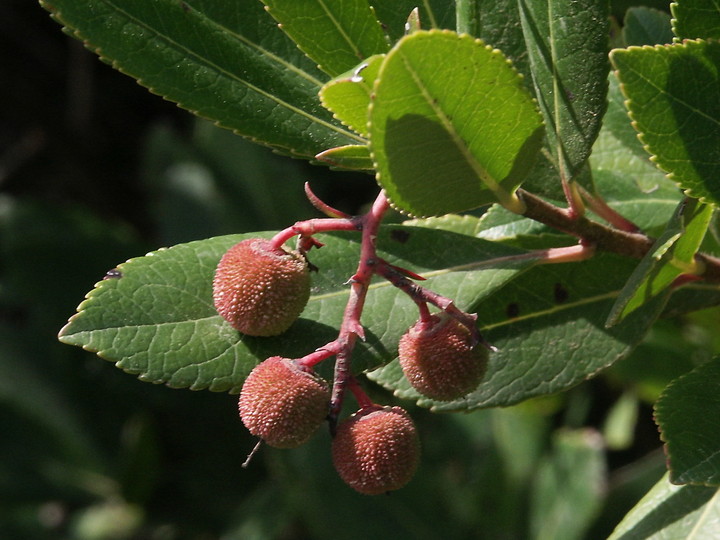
693 19
673 96
669 511
623 172
647 26
497 23
688 413
232 66
567 43
157 319
394 14
451 125
337 35
569 487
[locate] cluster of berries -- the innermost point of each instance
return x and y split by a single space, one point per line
261 289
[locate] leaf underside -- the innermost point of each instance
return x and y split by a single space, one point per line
440 147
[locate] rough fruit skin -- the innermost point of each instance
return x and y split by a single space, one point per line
283 404
261 290
439 360
376 450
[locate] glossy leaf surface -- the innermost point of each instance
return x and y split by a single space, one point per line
233 66
567 46
348 96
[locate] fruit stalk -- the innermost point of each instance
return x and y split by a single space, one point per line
351 328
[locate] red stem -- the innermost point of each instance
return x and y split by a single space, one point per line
314 226
351 328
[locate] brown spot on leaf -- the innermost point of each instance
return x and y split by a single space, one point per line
400 235
561 293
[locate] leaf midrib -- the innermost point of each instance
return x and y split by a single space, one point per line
434 105
232 76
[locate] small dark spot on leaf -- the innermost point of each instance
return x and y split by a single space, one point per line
184 6
570 95
561 293
512 310
399 235
113 274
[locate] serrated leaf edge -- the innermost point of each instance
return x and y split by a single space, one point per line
290 151
652 156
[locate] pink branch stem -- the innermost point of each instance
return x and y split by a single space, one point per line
314 226
351 328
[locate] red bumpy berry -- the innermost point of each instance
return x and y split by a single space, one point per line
376 450
440 359
260 289
282 403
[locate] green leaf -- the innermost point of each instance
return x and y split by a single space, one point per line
567 44
394 14
646 26
669 511
688 413
673 96
619 160
337 35
621 421
158 321
671 256
549 331
451 125
623 174
352 156
497 23
693 19
569 486
348 96
224 61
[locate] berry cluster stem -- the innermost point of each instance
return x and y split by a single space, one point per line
351 328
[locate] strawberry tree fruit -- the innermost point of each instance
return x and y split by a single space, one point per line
283 403
261 289
376 450
440 358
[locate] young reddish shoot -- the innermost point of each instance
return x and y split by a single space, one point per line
598 205
323 207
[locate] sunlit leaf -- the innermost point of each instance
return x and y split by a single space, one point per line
451 125
337 35
155 317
